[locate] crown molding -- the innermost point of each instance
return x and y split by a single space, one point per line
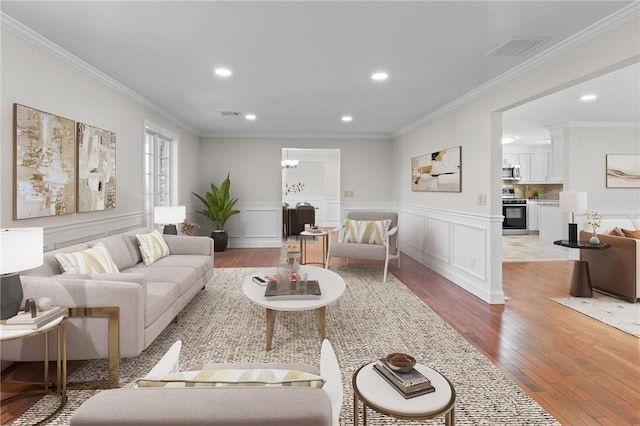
52 49
612 21
295 136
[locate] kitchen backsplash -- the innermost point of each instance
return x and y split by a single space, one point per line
545 191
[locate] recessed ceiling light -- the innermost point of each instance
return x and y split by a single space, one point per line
347 118
379 76
250 116
508 139
588 97
222 72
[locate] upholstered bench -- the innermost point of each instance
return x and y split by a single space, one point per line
176 399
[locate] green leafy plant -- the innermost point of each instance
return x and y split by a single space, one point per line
219 206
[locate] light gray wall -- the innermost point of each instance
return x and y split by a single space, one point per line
256 175
35 79
589 145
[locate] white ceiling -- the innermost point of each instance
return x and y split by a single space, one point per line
300 66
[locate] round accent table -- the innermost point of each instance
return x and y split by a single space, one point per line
304 235
60 326
331 286
374 392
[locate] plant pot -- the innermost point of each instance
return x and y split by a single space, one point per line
220 240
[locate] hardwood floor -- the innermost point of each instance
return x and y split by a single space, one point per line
580 370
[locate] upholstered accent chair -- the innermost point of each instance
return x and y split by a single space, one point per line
367 235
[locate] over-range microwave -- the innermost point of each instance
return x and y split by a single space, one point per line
511 172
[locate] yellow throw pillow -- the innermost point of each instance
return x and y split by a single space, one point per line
365 231
93 260
152 246
233 377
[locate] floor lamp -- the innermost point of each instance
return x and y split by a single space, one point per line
169 216
20 249
571 202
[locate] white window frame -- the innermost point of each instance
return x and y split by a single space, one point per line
153 135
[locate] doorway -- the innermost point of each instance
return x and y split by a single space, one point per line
311 176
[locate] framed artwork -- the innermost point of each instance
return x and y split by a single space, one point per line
623 170
439 171
96 168
44 164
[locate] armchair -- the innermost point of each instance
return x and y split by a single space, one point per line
377 242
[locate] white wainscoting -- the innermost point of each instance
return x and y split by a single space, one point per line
58 236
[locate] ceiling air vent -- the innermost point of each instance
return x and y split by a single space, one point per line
231 114
516 46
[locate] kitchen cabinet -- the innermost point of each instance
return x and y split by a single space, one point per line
539 167
510 158
532 215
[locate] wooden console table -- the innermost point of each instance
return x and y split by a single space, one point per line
580 278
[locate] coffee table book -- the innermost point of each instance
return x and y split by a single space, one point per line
24 320
397 386
290 291
410 380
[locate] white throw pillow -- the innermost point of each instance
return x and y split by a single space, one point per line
152 246
365 231
92 260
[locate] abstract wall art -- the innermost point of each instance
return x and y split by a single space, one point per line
439 171
96 168
44 164
623 170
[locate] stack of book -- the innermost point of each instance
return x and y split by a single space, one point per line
24 320
409 384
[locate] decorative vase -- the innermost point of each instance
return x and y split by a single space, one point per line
594 239
220 240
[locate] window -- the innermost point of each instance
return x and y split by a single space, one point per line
160 169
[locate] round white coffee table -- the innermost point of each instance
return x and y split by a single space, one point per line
380 396
332 286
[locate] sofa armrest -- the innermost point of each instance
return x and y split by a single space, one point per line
127 277
184 244
128 296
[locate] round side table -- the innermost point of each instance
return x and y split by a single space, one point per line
60 326
375 393
325 246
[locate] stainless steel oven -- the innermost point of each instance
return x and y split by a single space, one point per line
514 211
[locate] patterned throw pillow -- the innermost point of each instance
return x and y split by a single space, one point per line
232 377
365 231
152 246
92 260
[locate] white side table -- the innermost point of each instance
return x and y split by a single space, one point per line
325 246
380 396
59 325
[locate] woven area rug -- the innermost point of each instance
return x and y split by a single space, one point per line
370 320
617 313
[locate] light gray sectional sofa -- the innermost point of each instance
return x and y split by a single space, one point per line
148 297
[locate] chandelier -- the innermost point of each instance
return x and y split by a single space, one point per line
289 164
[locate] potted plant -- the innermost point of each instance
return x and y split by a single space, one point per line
219 207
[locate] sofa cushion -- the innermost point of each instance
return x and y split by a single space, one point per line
234 377
119 251
182 277
152 246
92 260
159 299
198 262
365 231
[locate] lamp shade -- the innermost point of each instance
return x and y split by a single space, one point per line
20 249
571 201
168 215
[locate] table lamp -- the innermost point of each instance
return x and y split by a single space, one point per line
169 216
571 202
20 249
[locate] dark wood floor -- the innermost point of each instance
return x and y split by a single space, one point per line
582 371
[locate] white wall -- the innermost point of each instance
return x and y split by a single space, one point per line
256 176
35 79
464 244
